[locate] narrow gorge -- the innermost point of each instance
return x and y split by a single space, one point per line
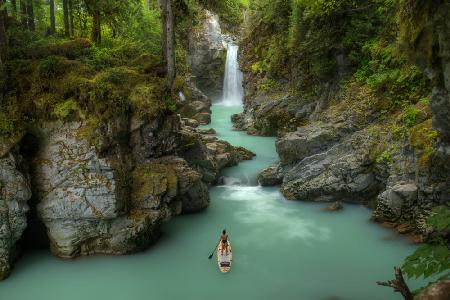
316 133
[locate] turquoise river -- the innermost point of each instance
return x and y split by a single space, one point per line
283 250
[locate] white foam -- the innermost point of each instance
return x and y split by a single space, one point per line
262 206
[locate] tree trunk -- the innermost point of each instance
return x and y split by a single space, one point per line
72 28
23 14
14 8
163 8
52 28
96 25
30 13
168 41
66 18
3 39
398 284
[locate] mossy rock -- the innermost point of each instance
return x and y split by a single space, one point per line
123 76
146 101
152 180
88 131
149 64
71 49
422 138
277 122
7 142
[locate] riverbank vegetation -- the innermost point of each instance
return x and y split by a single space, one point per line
357 62
97 60
90 59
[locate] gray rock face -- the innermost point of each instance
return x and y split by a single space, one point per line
432 56
205 54
341 173
177 185
114 203
440 104
155 138
270 176
14 194
82 200
266 116
209 154
406 204
197 105
306 141
92 204
393 201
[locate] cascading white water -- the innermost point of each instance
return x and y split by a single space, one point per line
233 92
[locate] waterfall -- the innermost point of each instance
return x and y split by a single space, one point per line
233 92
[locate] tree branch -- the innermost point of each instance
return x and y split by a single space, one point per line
398 284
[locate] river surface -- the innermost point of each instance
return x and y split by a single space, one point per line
282 250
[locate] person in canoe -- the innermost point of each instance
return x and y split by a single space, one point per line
224 241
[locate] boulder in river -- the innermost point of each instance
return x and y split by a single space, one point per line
270 176
343 171
335 206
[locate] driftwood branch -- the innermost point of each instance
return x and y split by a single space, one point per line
398 284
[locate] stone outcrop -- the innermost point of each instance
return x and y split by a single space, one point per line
344 172
437 291
306 141
206 54
197 110
83 198
107 188
335 206
342 158
196 105
112 201
338 146
268 116
209 154
271 176
14 194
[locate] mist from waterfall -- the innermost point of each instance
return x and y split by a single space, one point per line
233 92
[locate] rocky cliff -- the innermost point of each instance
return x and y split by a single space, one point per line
102 155
14 193
206 53
206 60
346 142
109 197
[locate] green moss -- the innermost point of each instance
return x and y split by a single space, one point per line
410 116
123 76
51 67
385 157
422 138
88 131
152 180
179 83
71 49
146 100
148 63
64 109
278 122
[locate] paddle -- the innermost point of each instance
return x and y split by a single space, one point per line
210 256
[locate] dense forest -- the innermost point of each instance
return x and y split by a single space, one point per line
366 79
